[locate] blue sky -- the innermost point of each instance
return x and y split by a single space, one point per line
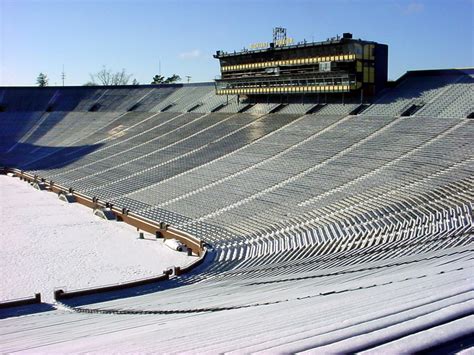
42 35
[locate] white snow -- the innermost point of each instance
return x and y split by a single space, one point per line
46 243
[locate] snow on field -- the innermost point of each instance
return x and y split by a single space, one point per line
46 243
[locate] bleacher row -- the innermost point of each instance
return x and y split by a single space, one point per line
239 173
293 207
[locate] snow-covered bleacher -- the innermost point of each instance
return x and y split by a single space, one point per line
368 216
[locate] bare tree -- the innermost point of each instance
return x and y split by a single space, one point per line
107 77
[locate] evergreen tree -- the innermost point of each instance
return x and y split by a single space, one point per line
42 80
160 79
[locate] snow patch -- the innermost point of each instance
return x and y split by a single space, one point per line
46 243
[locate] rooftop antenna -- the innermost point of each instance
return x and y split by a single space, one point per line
159 67
188 78
63 75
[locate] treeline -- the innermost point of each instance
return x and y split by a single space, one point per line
107 77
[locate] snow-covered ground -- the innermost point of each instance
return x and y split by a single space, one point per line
46 243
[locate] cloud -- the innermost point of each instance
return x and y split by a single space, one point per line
413 8
195 53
